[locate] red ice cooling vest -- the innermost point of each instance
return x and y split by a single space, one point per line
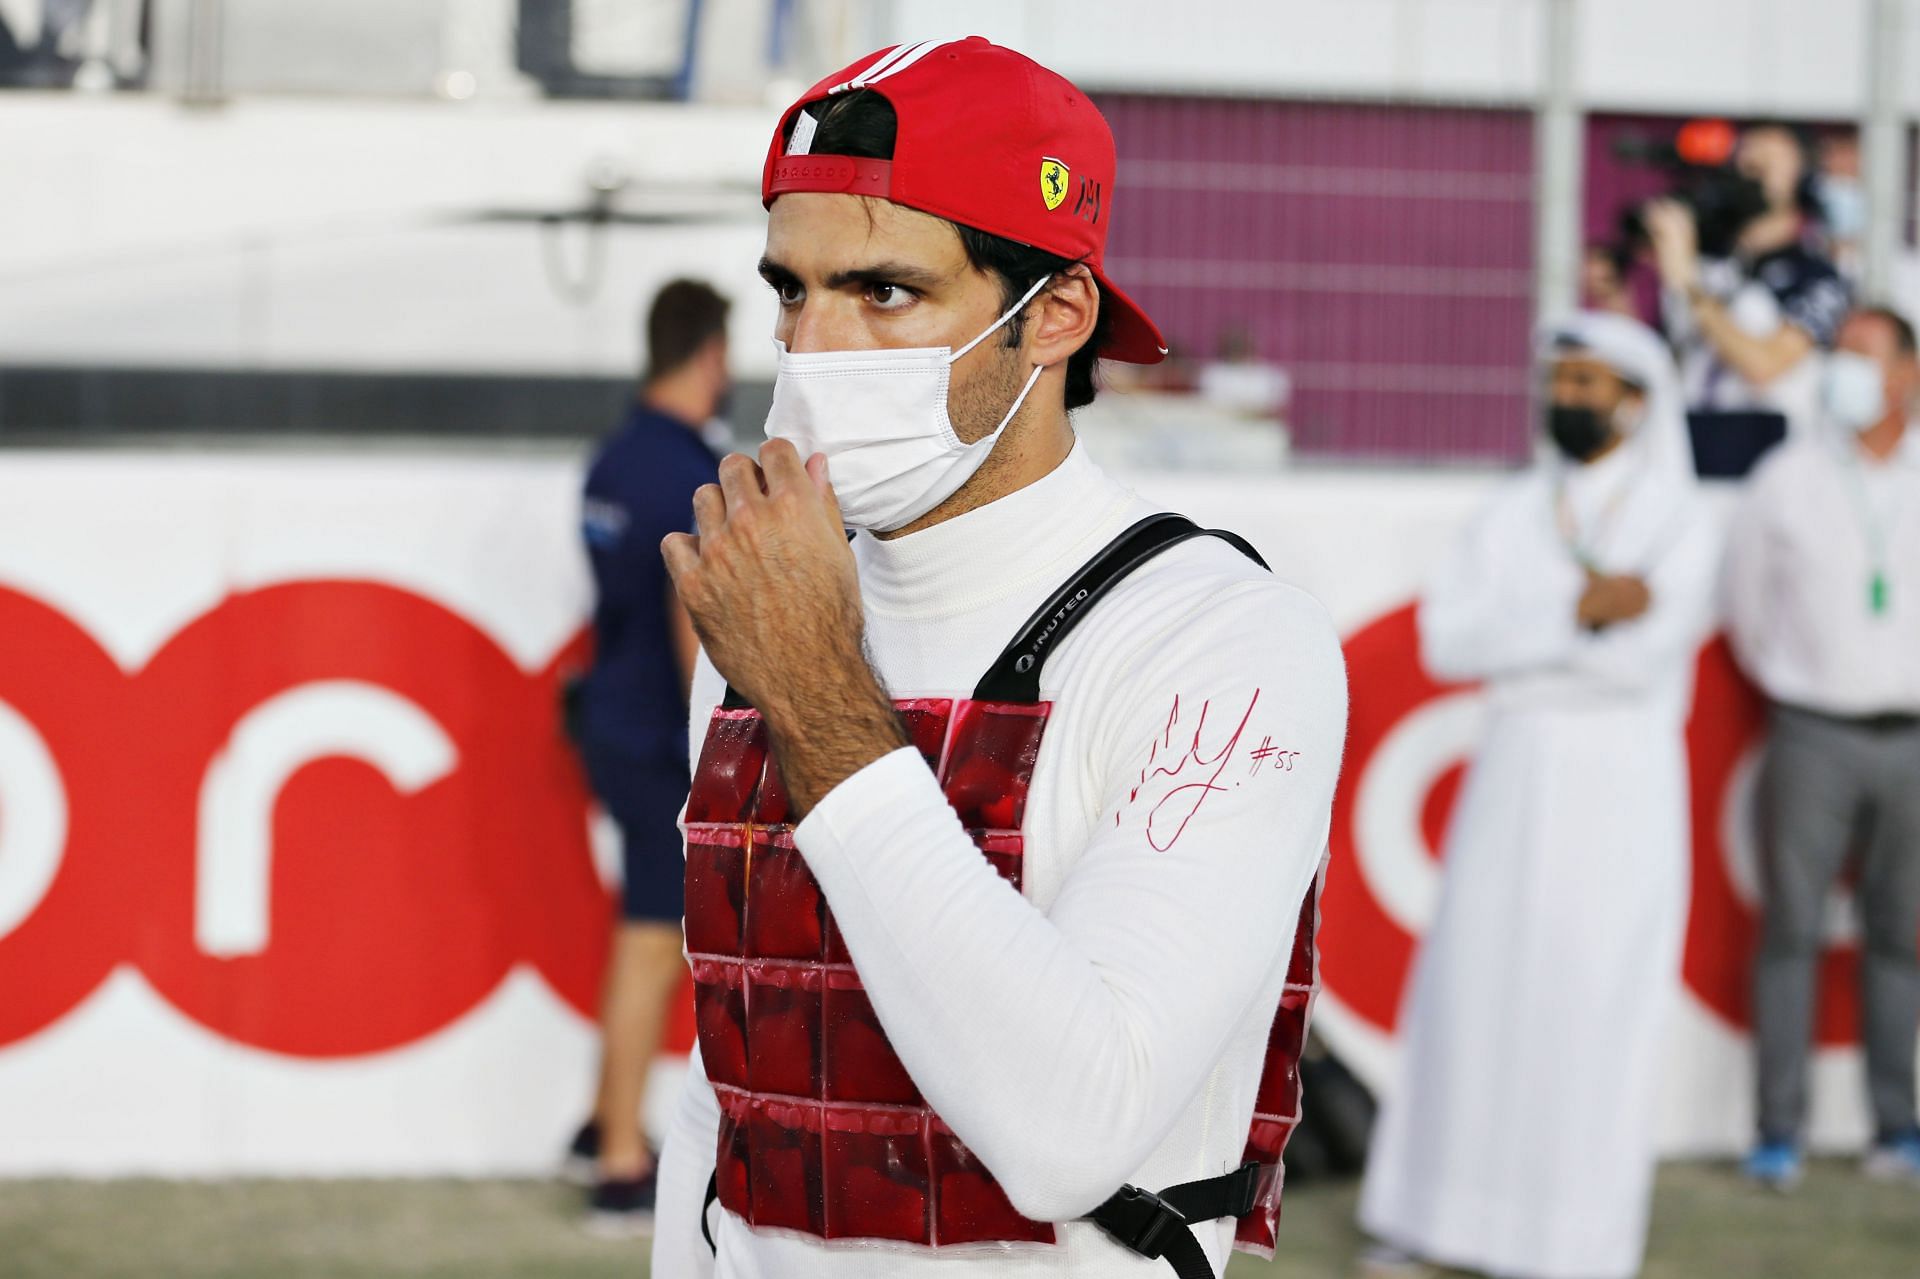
822 1130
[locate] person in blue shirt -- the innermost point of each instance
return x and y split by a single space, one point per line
629 716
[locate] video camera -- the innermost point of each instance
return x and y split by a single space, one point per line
1700 159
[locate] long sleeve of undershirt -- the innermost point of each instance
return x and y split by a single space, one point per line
686 1163
688 1152
1063 1045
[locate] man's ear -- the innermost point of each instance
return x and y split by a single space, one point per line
1906 380
1063 315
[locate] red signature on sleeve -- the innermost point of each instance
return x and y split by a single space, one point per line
1180 805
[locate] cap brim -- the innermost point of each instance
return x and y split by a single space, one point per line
1132 338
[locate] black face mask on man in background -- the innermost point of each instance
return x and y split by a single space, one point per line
1578 431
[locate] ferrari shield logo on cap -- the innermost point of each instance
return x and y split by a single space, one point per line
1053 182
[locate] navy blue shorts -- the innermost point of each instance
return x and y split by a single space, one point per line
643 795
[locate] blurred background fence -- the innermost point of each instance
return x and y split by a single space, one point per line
432 217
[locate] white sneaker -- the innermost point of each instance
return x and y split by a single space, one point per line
1896 1160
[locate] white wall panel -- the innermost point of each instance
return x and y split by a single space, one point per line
1790 57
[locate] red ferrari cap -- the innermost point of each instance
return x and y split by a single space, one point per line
987 138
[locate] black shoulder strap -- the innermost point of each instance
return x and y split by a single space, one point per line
1156 1226
1015 674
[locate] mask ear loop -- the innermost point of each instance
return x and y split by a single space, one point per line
1032 377
1005 315
1019 399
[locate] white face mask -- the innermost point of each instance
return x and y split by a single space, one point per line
1853 390
1843 205
881 419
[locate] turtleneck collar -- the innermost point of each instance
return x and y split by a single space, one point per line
1035 534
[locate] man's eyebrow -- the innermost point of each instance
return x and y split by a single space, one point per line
913 277
902 273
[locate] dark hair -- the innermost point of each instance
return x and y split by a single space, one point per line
1806 190
1903 335
684 317
863 124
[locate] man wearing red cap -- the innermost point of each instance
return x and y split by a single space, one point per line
1007 813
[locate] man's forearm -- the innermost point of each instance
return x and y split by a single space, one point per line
829 728
1758 360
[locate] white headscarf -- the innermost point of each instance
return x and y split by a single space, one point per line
1661 489
1641 357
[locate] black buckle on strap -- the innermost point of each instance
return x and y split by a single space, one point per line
1155 1226
1140 1220
1245 1182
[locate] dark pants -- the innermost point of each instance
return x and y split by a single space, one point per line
1825 784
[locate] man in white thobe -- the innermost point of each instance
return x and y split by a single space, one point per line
1519 1141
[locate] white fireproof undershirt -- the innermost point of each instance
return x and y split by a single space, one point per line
1109 1026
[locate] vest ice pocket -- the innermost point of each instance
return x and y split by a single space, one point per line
784 1029
716 889
878 1185
990 765
731 761
786 915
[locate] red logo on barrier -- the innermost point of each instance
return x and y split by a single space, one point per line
1367 947
328 817
325 819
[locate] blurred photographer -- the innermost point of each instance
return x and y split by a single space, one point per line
1747 305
